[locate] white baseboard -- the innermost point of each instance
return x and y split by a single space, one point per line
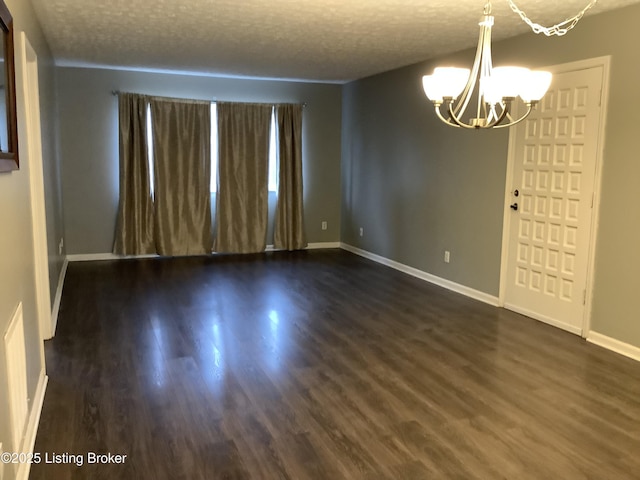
442 282
58 298
320 245
32 426
310 246
93 257
612 344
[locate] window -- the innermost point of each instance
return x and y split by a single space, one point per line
273 159
150 152
273 145
273 155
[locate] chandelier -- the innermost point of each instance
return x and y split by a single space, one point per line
494 89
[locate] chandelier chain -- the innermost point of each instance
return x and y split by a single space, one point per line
558 29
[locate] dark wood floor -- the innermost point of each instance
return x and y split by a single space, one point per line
321 365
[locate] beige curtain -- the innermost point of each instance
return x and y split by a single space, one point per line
134 228
289 223
182 154
243 169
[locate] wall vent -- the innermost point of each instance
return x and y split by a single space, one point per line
17 377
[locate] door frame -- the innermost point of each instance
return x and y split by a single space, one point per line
605 63
27 82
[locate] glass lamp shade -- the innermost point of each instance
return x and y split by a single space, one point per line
431 88
445 82
504 82
535 86
509 80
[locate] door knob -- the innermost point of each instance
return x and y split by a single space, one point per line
514 206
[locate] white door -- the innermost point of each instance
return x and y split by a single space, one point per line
554 169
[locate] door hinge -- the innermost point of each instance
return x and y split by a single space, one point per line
592 199
584 296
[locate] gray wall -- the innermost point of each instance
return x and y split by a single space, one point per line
17 280
89 144
418 187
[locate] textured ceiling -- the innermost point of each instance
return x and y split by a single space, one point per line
316 40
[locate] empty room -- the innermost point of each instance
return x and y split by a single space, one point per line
319 240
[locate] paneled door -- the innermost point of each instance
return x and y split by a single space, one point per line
551 201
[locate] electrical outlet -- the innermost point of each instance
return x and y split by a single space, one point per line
324 225
447 256
361 232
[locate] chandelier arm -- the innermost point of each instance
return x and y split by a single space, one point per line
486 66
441 117
481 108
512 123
492 114
500 118
465 96
457 120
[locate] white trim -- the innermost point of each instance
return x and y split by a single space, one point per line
427 277
93 257
614 345
17 382
31 149
32 426
597 188
316 246
58 298
605 63
310 246
506 218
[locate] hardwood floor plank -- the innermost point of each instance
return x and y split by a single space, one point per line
307 458
261 454
222 460
442 458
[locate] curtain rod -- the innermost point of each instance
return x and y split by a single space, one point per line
115 93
